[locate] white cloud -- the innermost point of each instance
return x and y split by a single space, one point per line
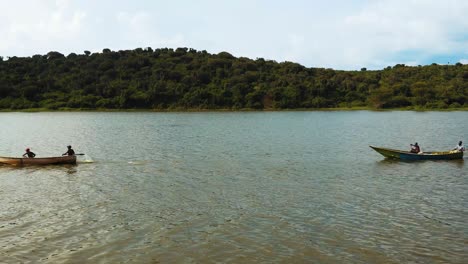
43 26
296 44
385 28
382 33
464 61
139 29
337 34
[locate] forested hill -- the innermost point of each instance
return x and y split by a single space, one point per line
189 79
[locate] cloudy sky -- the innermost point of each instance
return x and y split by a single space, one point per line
339 34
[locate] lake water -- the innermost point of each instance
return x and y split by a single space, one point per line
268 187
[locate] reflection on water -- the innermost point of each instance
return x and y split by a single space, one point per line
388 161
232 187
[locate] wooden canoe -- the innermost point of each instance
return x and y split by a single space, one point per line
406 155
38 161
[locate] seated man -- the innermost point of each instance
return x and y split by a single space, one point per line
460 147
29 154
70 151
415 148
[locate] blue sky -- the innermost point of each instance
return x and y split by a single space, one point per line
335 34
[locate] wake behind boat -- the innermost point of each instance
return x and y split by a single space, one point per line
406 155
38 161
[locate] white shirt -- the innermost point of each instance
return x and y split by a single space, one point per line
460 148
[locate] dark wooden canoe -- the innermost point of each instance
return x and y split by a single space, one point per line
38 161
406 155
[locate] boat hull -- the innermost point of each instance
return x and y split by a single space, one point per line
406 155
38 161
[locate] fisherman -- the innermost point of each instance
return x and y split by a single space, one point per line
70 151
460 147
29 154
415 148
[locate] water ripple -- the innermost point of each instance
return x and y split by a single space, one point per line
232 187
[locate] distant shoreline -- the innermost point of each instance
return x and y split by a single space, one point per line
195 110
187 80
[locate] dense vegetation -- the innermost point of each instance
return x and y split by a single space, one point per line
189 79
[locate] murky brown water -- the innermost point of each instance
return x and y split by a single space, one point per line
281 187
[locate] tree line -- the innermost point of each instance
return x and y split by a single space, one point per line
182 78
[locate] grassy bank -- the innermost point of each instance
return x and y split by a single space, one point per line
233 110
